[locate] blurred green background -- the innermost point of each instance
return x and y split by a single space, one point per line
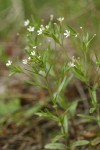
85 13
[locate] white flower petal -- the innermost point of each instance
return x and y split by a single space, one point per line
26 23
60 19
34 47
8 63
67 33
40 31
24 61
30 29
33 53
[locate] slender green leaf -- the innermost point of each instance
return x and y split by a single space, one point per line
57 146
65 124
80 143
72 108
55 38
47 114
87 117
89 41
95 141
61 85
57 138
71 30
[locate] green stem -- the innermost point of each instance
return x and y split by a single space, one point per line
85 63
49 90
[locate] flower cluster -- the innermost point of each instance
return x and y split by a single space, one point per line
32 28
72 63
25 61
39 32
60 19
42 28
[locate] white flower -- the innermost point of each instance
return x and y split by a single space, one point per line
71 64
34 47
81 27
39 57
76 35
42 73
33 53
26 23
51 16
40 31
9 63
73 59
30 29
24 61
55 23
60 19
42 27
67 33
29 58
47 26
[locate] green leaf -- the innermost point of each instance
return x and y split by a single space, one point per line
87 117
47 114
84 46
47 33
35 108
80 143
62 102
86 41
89 41
61 85
65 68
45 54
92 110
72 108
86 38
57 146
59 28
95 141
71 30
94 97
79 74
65 124
16 69
57 138
36 84
55 38
9 107
48 68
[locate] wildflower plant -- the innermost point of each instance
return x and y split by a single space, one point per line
50 66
